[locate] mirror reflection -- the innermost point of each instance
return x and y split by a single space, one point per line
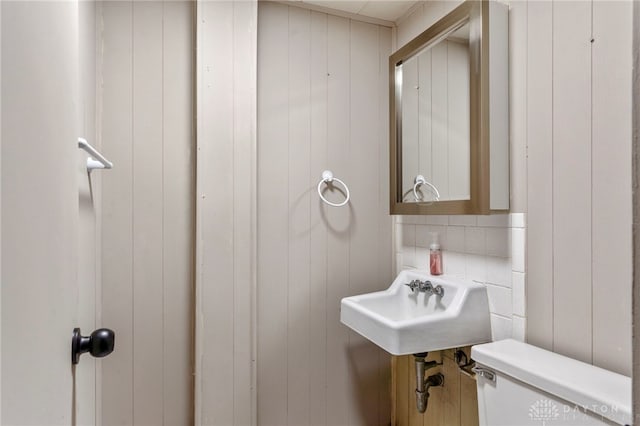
435 105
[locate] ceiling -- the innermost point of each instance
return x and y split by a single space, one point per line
388 10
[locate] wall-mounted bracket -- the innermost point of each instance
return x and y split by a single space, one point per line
98 161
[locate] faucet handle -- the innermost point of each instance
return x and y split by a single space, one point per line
438 290
425 286
413 285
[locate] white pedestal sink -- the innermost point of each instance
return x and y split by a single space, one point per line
402 321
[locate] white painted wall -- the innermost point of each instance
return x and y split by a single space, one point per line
226 214
570 129
146 110
322 104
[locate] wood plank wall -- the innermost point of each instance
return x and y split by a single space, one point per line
148 216
454 404
226 194
322 104
579 180
570 120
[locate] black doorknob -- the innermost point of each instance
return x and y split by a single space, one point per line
99 344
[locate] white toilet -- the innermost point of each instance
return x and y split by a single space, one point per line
520 384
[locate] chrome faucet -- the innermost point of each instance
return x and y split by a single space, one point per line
425 287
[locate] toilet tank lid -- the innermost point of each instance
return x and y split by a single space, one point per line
595 389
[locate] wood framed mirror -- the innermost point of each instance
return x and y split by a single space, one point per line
449 117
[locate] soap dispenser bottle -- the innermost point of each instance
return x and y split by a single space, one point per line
435 255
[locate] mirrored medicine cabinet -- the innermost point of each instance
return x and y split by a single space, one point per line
449 116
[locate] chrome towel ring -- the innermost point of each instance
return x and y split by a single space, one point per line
328 178
419 181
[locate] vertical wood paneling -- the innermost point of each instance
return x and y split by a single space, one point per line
178 198
117 208
148 237
385 222
611 177
338 221
320 107
318 284
225 209
468 401
273 213
439 121
458 121
147 213
216 297
415 417
451 392
518 75
298 347
425 116
454 404
411 121
402 391
572 328
364 231
587 247
540 174
244 180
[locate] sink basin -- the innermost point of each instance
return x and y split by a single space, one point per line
403 322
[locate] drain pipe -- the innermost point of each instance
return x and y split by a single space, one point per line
422 385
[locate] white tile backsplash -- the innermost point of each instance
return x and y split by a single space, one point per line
476 268
499 271
497 242
454 264
518 249
436 220
399 263
519 325
463 220
518 294
425 235
494 220
487 249
501 327
455 239
422 258
499 300
408 235
474 240
409 257
517 220
397 238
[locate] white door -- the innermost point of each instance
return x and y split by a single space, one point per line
42 190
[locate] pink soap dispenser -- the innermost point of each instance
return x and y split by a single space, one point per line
435 255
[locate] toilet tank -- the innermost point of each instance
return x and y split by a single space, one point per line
520 384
